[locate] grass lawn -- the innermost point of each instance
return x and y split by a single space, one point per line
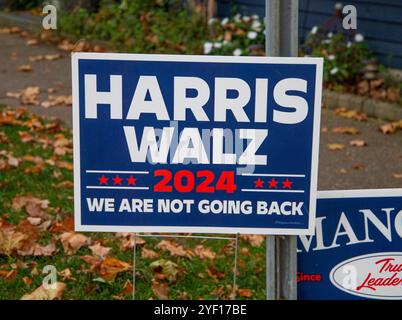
36 209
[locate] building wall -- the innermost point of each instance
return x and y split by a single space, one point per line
380 21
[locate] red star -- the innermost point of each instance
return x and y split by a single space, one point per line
287 184
103 179
117 180
259 183
273 183
131 181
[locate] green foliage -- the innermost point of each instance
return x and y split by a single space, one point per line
143 26
237 35
343 59
24 4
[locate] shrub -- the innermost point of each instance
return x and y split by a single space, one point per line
145 26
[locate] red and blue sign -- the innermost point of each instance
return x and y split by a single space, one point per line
356 251
195 143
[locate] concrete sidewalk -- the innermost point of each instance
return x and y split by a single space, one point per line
373 166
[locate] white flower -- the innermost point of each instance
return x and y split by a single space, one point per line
225 42
348 44
237 17
334 70
208 47
256 25
251 35
314 30
255 17
338 6
224 21
217 45
330 34
331 57
212 21
359 37
237 52
246 18
326 41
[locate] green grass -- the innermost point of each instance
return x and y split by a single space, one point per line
193 281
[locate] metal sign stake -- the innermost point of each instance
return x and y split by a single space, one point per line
281 39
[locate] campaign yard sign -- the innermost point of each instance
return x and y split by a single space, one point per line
166 143
356 251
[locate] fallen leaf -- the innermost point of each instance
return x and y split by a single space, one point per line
358 166
32 42
167 268
254 239
100 251
149 254
8 275
397 175
127 288
335 146
25 68
34 206
128 239
351 114
66 274
346 130
175 249
10 241
26 280
72 242
204 253
358 143
161 290
111 267
246 293
51 293
392 127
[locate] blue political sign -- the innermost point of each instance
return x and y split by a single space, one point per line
356 251
166 143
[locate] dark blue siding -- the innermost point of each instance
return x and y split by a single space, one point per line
380 21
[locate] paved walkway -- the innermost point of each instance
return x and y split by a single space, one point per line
372 166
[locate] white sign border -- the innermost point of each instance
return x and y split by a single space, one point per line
76 56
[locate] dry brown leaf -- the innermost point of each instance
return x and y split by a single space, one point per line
127 240
175 249
98 250
8 275
161 290
35 207
246 293
351 114
10 241
49 293
204 253
72 242
10 30
254 239
346 130
61 100
358 166
111 267
25 68
335 146
358 143
66 274
28 96
392 127
34 249
149 254
397 175
127 288
32 42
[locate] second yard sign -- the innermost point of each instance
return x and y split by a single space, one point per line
195 143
